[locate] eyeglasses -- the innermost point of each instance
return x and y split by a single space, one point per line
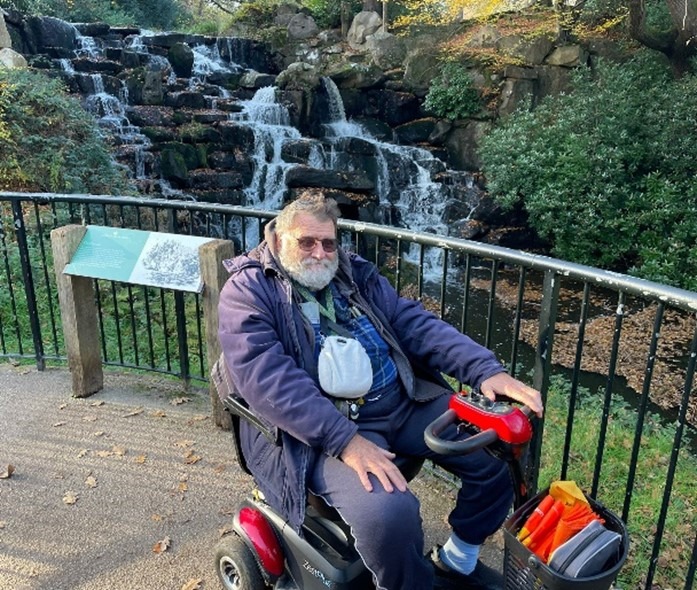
307 243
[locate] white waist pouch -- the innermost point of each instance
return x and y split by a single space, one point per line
344 368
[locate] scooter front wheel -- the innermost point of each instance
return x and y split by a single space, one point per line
236 565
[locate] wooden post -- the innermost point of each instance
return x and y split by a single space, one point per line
78 314
211 256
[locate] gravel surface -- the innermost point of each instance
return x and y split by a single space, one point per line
129 489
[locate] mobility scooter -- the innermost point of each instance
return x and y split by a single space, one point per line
265 552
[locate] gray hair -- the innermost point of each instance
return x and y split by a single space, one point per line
311 202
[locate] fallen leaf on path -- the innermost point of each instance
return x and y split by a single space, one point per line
140 459
120 451
70 498
178 401
103 453
97 404
190 458
158 414
162 546
226 530
56 424
219 468
193 585
157 518
133 412
91 482
7 472
184 443
183 486
90 418
98 433
62 406
198 418
82 453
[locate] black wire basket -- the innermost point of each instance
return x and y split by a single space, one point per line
523 570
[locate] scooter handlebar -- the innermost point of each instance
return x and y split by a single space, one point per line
457 447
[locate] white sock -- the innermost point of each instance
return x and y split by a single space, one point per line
458 555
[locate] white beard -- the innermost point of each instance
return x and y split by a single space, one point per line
310 273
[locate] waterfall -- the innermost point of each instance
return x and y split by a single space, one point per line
270 123
417 199
405 178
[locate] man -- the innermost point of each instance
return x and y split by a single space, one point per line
281 300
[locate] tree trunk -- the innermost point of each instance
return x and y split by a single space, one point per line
678 43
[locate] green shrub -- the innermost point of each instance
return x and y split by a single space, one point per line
606 172
47 140
327 13
158 14
452 94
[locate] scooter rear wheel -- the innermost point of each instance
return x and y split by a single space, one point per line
236 565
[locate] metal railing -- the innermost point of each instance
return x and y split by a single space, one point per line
603 332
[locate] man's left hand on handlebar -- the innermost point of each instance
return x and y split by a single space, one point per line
504 384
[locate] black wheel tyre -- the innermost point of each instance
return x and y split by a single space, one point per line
236 565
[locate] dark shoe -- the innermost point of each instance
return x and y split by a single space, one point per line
482 578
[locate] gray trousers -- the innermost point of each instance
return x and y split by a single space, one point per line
387 526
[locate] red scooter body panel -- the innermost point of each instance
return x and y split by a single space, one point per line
510 424
260 534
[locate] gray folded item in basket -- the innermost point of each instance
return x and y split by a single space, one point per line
587 552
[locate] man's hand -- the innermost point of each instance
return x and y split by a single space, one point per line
365 457
504 384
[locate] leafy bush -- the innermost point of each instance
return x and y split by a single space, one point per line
158 14
452 94
48 142
327 13
606 173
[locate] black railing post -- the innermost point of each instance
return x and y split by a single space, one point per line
543 365
27 278
181 338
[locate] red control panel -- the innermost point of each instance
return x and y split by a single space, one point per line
509 422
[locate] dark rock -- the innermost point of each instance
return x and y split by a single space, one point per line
415 132
305 176
181 56
210 179
236 135
185 99
47 31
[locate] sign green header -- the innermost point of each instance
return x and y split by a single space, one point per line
169 261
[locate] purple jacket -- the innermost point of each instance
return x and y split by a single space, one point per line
268 346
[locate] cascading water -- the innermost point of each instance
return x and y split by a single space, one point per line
403 176
416 197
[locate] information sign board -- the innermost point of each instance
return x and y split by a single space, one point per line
169 261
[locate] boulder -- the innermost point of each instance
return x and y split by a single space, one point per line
302 26
11 59
298 76
365 23
47 31
463 144
152 92
568 56
421 66
5 40
386 50
181 56
532 51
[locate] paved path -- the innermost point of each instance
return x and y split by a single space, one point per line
100 482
